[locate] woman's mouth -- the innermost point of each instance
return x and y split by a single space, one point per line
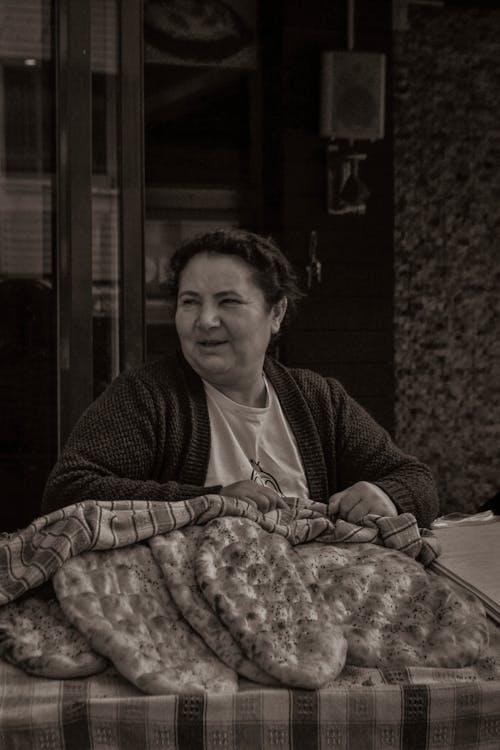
211 344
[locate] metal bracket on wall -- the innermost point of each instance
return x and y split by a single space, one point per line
313 268
346 191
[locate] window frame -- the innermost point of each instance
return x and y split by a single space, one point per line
73 261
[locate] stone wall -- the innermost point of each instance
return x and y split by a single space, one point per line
447 248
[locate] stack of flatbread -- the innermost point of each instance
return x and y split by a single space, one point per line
192 610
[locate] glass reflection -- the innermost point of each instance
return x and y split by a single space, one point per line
201 110
105 196
28 417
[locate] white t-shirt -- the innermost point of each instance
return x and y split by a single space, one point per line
253 443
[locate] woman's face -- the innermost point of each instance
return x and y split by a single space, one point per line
223 321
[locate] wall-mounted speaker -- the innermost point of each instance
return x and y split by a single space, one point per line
352 95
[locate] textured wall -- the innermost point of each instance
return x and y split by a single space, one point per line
447 248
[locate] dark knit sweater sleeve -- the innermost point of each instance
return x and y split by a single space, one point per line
128 445
365 451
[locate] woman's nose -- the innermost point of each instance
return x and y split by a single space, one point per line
208 317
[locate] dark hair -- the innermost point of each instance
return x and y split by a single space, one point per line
273 273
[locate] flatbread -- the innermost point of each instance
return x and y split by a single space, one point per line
394 613
36 636
118 599
268 599
175 553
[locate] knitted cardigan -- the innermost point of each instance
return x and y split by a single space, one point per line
147 437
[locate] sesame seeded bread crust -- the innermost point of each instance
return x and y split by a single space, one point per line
36 636
394 613
175 554
268 599
118 598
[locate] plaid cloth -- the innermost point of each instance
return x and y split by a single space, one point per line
30 557
105 712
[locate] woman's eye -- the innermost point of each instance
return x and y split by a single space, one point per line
187 302
230 301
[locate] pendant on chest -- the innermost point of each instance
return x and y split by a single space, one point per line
259 476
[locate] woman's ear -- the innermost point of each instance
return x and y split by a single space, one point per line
278 313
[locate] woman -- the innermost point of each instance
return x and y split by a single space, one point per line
224 417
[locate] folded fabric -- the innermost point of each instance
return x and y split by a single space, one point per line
31 556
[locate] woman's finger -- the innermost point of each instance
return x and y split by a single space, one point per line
275 500
251 502
260 497
281 502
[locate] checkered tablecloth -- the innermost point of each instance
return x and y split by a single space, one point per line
105 712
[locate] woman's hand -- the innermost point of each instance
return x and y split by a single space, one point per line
354 503
262 498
